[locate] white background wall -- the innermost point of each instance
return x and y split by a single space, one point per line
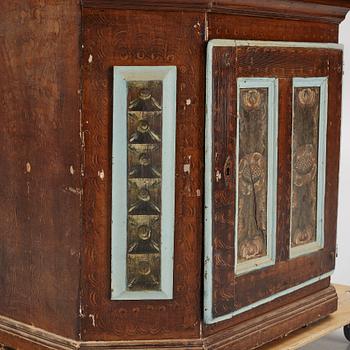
342 271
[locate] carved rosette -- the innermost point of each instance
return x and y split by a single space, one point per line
305 165
252 174
144 185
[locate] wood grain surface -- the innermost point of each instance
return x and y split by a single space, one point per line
246 335
221 26
115 38
40 215
324 11
305 138
253 160
283 63
55 208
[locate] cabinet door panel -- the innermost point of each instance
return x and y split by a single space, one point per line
248 260
308 164
256 170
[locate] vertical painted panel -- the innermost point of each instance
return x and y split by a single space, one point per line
144 184
308 164
144 124
256 178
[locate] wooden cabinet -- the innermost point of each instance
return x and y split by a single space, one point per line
169 170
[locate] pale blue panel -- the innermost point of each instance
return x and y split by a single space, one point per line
122 75
208 196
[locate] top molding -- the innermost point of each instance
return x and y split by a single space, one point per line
333 11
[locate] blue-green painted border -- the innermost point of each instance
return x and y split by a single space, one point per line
122 75
322 83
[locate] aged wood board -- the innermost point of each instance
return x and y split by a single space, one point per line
43 245
315 331
40 175
325 11
248 334
138 38
304 165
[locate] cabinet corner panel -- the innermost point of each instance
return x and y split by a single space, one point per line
40 159
154 292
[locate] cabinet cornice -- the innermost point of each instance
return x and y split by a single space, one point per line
312 10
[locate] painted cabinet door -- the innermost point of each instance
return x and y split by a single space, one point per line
272 146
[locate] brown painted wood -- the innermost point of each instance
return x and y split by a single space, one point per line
232 292
54 269
40 216
134 38
224 194
326 11
246 335
260 330
224 26
284 167
212 329
12 339
302 10
178 4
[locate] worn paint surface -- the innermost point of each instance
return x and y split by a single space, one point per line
40 212
142 38
145 99
226 291
256 173
252 180
144 119
304 167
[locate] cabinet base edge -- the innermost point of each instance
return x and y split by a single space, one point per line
246 335
275 324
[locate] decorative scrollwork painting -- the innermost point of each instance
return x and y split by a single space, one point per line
308 164
256 173
143 173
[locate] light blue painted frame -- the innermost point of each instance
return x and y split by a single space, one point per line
123 74
322 83
272 119
208 258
